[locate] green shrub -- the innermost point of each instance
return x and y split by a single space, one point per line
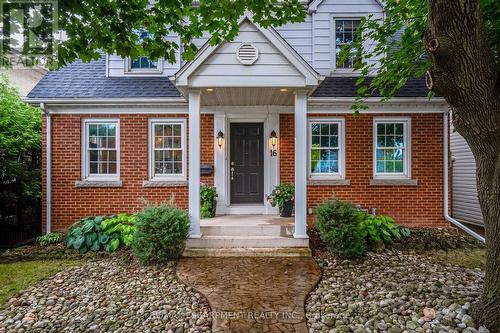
101 232
338 228
50 238
161 233
208 201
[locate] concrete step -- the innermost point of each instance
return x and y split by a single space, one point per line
247 252
217 241
240 230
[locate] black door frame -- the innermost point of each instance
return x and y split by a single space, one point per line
228 160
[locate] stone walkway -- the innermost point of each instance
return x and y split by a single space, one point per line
253 294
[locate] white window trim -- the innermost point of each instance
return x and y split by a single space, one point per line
326 176
85 167
333 64
406 174
130 70
173 177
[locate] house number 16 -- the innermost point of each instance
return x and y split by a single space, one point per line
274 152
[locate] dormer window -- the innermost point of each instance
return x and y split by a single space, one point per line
345 33
143 64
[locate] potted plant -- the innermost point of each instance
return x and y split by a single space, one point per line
208 202
283 196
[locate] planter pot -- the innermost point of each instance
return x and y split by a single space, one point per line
214 207
287 209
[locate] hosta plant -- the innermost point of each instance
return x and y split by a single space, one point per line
101 232
50 238
116 231
83 235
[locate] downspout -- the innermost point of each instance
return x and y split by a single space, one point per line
48 168
445 169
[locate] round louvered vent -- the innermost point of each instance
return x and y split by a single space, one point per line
247 53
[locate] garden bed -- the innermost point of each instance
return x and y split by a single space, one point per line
108 295
393 291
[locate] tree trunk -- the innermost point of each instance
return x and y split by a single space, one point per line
464 72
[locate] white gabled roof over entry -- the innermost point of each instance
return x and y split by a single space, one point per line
266 60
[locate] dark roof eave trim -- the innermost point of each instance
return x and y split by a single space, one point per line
109 101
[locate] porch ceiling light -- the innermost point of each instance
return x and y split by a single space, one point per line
283 90
273 139
210 89
220 139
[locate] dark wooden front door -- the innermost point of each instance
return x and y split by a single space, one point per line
246 165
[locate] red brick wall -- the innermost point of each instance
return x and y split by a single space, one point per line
70 203
420 205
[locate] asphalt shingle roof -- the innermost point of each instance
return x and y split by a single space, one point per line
342 86
88 80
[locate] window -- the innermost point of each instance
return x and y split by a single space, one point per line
167 149
326 158
143 63
345 33
101 153
392 148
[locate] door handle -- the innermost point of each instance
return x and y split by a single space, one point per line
232 173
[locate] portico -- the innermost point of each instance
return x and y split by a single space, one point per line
246 84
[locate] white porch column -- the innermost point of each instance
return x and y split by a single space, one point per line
300 164
194 163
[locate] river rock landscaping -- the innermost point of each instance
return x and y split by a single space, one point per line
393 292
108 295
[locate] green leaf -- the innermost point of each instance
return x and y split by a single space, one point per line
95 246
104 238
113 245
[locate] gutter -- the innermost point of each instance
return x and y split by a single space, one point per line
48 168
445 169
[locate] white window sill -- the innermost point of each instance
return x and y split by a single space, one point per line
144 72
393 182
98 183
328 182
165 183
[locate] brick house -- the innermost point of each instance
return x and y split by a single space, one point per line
269 107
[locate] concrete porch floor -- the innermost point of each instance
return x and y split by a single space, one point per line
248 220
247 235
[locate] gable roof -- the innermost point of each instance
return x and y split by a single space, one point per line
88 80
312 78
342 86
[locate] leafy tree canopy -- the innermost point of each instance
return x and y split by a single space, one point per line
20 146
398 44
113 25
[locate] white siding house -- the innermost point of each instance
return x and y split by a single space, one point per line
465 203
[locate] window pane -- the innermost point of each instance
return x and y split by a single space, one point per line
380 129
177 130
380 166
93 156
315 129
325 129
177 142
334 141
380 141
315 141
334 129
398 166
325 140
399 128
